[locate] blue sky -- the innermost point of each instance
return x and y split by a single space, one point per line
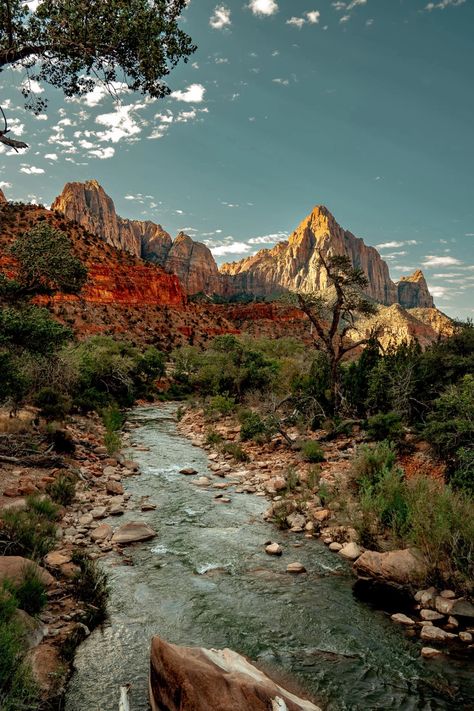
366 106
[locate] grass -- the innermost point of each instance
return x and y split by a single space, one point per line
236 451
214 438
113 420
312 451
91 586
62 490
30 595
31 532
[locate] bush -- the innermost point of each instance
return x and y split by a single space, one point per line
312 451
220 405
62 490
386 499
252 425
113 420
385 426
213 438
236 451
463 476
372 461
31 532
449 425
53 404
31 593
91 586
17 690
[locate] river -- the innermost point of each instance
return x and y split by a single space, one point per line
205 580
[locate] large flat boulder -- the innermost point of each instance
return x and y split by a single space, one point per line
14 568
133 532
400 567
198 679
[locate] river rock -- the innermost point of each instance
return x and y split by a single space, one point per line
426 598
448 594
465 636
114 487
296 521
99 512
402 619
321 515
189 471
56 559
463 608
443 606
350 551
295 568
430 615
335 546
133 532
430 633
430 652
85 519
108 471
102 533
213 680
201 481
116 509
14 567
273 549
399 567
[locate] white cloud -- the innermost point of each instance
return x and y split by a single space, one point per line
230 248
5 184
51 156
32 86
220 18
31 169
284 82
269 239
434 261
194 94
103 153
395 245
439 291
120 123
311 17
443 4
263 8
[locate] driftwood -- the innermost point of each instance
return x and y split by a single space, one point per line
35 460
124 703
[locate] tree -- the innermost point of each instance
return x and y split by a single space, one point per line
46 263
333 313
73 44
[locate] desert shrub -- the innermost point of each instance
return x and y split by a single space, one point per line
292 480
113 420
386 499
236 451
17 690
91 586
62 490
53 404
385 426
213 438
31 532
31 328
312 451
251 425
219 405
450 424
314 477
30 594
372 460
463 477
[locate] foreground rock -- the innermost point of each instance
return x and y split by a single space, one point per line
400 567
14 568
197 679
133 532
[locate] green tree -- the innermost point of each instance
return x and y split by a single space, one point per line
46 264
333 314
73 44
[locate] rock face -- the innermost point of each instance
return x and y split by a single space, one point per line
413 292
14 568
294 265
197 679
2 197
89 205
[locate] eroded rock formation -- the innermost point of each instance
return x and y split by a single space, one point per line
198 679
413 291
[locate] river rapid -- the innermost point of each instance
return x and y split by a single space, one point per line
205 580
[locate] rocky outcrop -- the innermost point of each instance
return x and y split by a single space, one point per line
294 265
89 205
400 567
197 679
2 197
413 292
396 325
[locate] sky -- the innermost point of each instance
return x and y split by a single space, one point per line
365 106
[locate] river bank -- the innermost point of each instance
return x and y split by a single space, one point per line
207 581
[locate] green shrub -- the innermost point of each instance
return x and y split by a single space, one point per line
372 460
30 594
251 425
463 476
31 532
62 490
53 404
112 442
449 425
220 405
385 426
113 418
213 438
386 499
292 480
312 451
91 586
236 451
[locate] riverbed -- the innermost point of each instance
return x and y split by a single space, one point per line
205 580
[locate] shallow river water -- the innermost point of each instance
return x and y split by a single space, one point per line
205 580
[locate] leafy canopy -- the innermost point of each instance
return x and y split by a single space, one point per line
73 43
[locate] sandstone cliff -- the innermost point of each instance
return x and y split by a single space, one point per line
413 291
195 266
2 197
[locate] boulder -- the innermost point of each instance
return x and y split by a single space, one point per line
430 615
399 567
430 633
295 568
133 532
335 547
57 558
296 521
14 567
114 487
463 608
402 619
102 533
350 551
189 471
273 549
201 481
430 652
198 679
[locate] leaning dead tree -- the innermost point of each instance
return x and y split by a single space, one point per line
10 142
